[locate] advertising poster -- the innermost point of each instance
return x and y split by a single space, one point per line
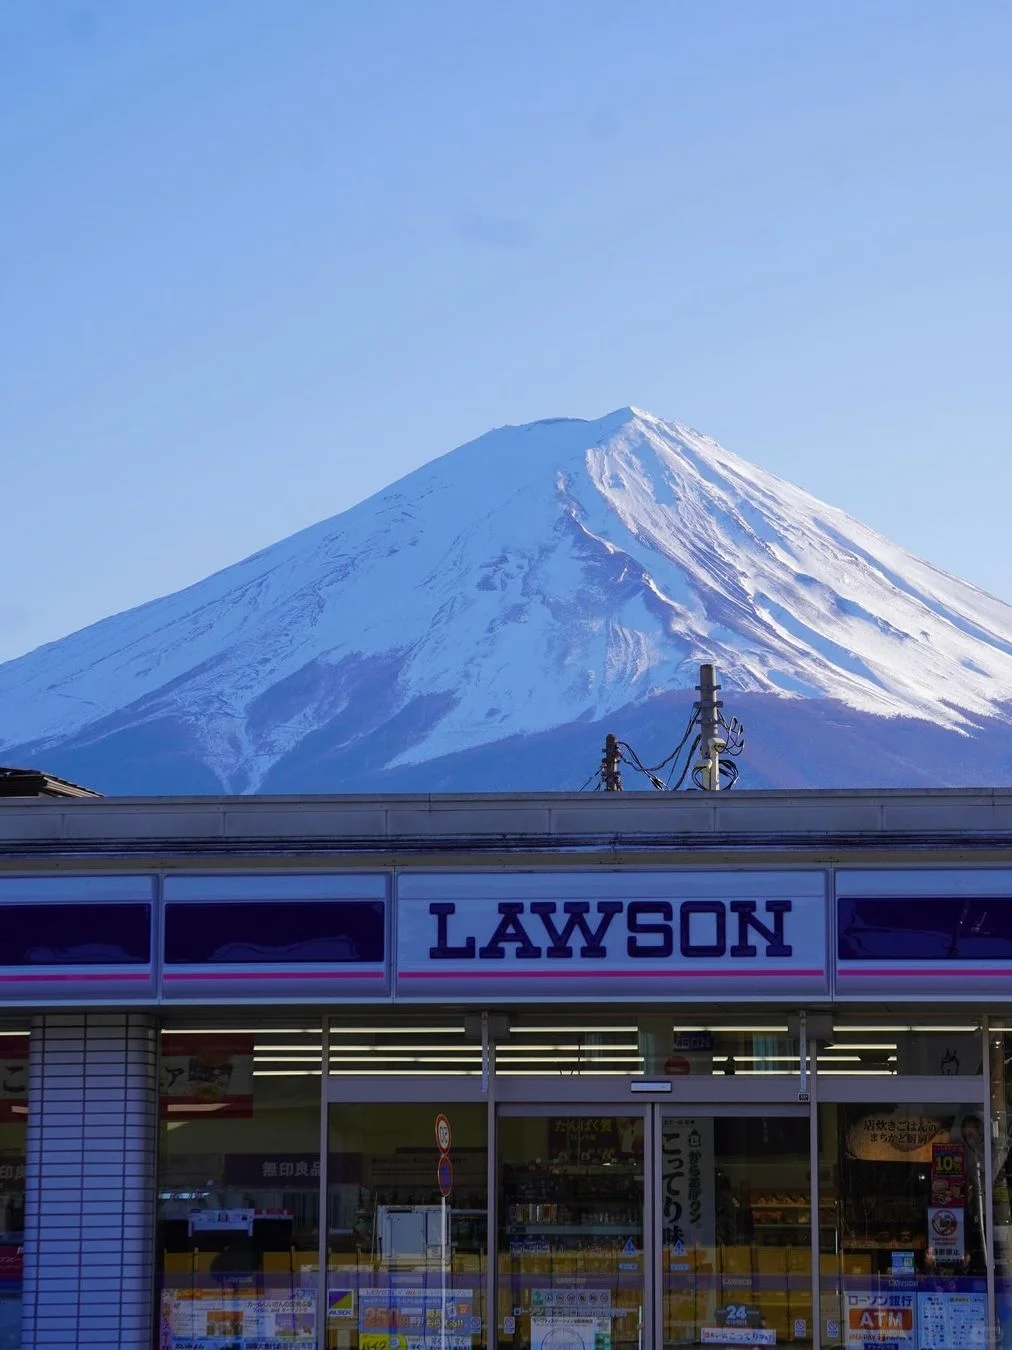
595 1139
896 1136
688 1214
13 1077
206 1076
570 1333
946 1235
947 1320
948 1174
211 1320
394 1340
414 1314
737 1336
12 1172
880 1321
341 1304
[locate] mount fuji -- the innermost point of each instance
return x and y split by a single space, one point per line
481 623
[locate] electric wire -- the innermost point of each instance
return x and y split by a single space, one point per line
734 745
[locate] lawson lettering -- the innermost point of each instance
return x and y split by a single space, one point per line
643 930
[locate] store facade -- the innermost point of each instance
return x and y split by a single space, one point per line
523 1071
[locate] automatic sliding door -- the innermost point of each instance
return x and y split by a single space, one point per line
405 1269
571 1232
734 1212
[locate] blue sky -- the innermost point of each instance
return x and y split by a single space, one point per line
258 259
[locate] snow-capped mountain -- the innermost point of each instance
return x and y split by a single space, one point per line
479 623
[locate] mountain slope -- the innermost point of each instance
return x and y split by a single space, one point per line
540 578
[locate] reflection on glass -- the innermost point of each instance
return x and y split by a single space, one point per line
1001 1117
878 1049
403 1268
735 1218
13 1117
651 1044
238 1188
904 1257
571 1232
658 1045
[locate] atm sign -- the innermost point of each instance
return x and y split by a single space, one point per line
881 1319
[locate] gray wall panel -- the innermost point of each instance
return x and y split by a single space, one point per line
90 1182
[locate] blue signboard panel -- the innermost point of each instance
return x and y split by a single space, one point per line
933 932
630 935
76 939
283 937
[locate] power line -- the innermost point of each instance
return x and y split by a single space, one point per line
718 741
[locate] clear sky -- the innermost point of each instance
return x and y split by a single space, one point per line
259 258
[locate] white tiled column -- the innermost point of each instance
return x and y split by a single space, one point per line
90 1182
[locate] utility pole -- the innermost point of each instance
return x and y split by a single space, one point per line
611 774
711 741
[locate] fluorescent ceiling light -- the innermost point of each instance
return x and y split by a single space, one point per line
860 1045
860 1029
757 1031
856 1073
569 1059
400 1073
405 1030
570 1030
286 1073
943 1030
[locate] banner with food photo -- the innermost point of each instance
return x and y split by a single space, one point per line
206 1076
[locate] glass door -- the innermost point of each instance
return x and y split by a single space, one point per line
406 1230
733 1211
573 1244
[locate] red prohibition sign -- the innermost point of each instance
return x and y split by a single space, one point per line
443 1136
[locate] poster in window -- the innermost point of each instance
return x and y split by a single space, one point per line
882 1320
201 1076
896 1136
570 1333
13 1078
951 1320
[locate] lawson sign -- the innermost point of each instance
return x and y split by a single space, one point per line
675 935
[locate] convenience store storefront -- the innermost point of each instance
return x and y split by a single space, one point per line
690 1096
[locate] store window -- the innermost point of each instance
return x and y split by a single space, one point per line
1001 1133
902 1224
238 1186
571 1246
649 1044
407 1227
405 1045
13 1121
735 1209
874 1047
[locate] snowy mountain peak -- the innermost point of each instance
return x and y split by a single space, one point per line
542 576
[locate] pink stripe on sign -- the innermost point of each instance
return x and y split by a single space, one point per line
598 974
909 972
276 975
65 977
